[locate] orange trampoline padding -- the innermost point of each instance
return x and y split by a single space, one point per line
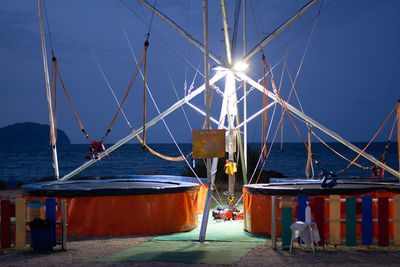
202 195
130 214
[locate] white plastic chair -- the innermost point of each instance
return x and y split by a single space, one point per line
307 231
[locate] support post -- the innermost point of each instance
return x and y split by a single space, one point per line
64 223
273 221
398 133
206 212
244 93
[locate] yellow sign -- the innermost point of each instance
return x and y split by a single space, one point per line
208 143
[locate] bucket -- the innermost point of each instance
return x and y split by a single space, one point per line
41 235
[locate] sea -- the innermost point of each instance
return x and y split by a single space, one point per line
30 163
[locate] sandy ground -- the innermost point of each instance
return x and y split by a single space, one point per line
83 252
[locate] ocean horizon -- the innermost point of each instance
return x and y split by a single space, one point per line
31 163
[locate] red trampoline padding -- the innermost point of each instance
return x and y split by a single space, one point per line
130 214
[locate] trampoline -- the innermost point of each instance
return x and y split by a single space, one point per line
257 202
313 188
133 205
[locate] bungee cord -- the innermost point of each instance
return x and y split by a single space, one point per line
96 60
182 157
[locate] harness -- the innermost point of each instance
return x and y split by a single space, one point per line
328 176
96 147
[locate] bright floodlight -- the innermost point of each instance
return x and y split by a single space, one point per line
240 66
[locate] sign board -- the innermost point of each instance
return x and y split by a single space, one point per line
208 143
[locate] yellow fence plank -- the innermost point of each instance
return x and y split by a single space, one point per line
20 223
396 220
334 220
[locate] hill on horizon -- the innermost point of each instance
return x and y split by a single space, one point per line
30 133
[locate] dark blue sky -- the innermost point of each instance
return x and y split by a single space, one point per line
348 81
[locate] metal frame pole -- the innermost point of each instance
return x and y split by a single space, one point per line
277 31
226 34
178 29
244 90
48 93
206 212
273 221
332 134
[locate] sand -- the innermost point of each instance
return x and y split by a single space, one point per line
84 251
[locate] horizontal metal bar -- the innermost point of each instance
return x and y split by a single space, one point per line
203 113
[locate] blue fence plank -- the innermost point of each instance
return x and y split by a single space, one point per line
51 215
301 207
366 224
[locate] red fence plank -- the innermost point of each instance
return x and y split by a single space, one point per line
5 223
383 221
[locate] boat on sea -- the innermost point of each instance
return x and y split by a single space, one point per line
229 74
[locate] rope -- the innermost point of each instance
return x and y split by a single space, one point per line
337 153
127 91
69 100
285 107
151 21
162 39
54 95
48 28
390 137
146 45
53 83
209 103
265 103
175 91
297 74
96 60
359 154
181 158
309 159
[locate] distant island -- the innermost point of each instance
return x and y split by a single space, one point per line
30 133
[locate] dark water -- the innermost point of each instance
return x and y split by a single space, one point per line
28 164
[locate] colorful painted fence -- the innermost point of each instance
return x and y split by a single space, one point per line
349 220
16 216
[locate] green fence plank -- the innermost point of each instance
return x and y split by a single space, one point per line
351 222
286 222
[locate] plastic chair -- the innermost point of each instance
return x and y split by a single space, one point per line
307 231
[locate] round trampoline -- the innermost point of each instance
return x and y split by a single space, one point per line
345 200
137 205
314 188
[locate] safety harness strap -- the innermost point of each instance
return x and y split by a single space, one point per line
126 93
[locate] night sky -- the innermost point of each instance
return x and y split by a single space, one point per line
349 80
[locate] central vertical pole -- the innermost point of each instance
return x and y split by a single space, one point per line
226 34
49 102
244 90
206 213
232 103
